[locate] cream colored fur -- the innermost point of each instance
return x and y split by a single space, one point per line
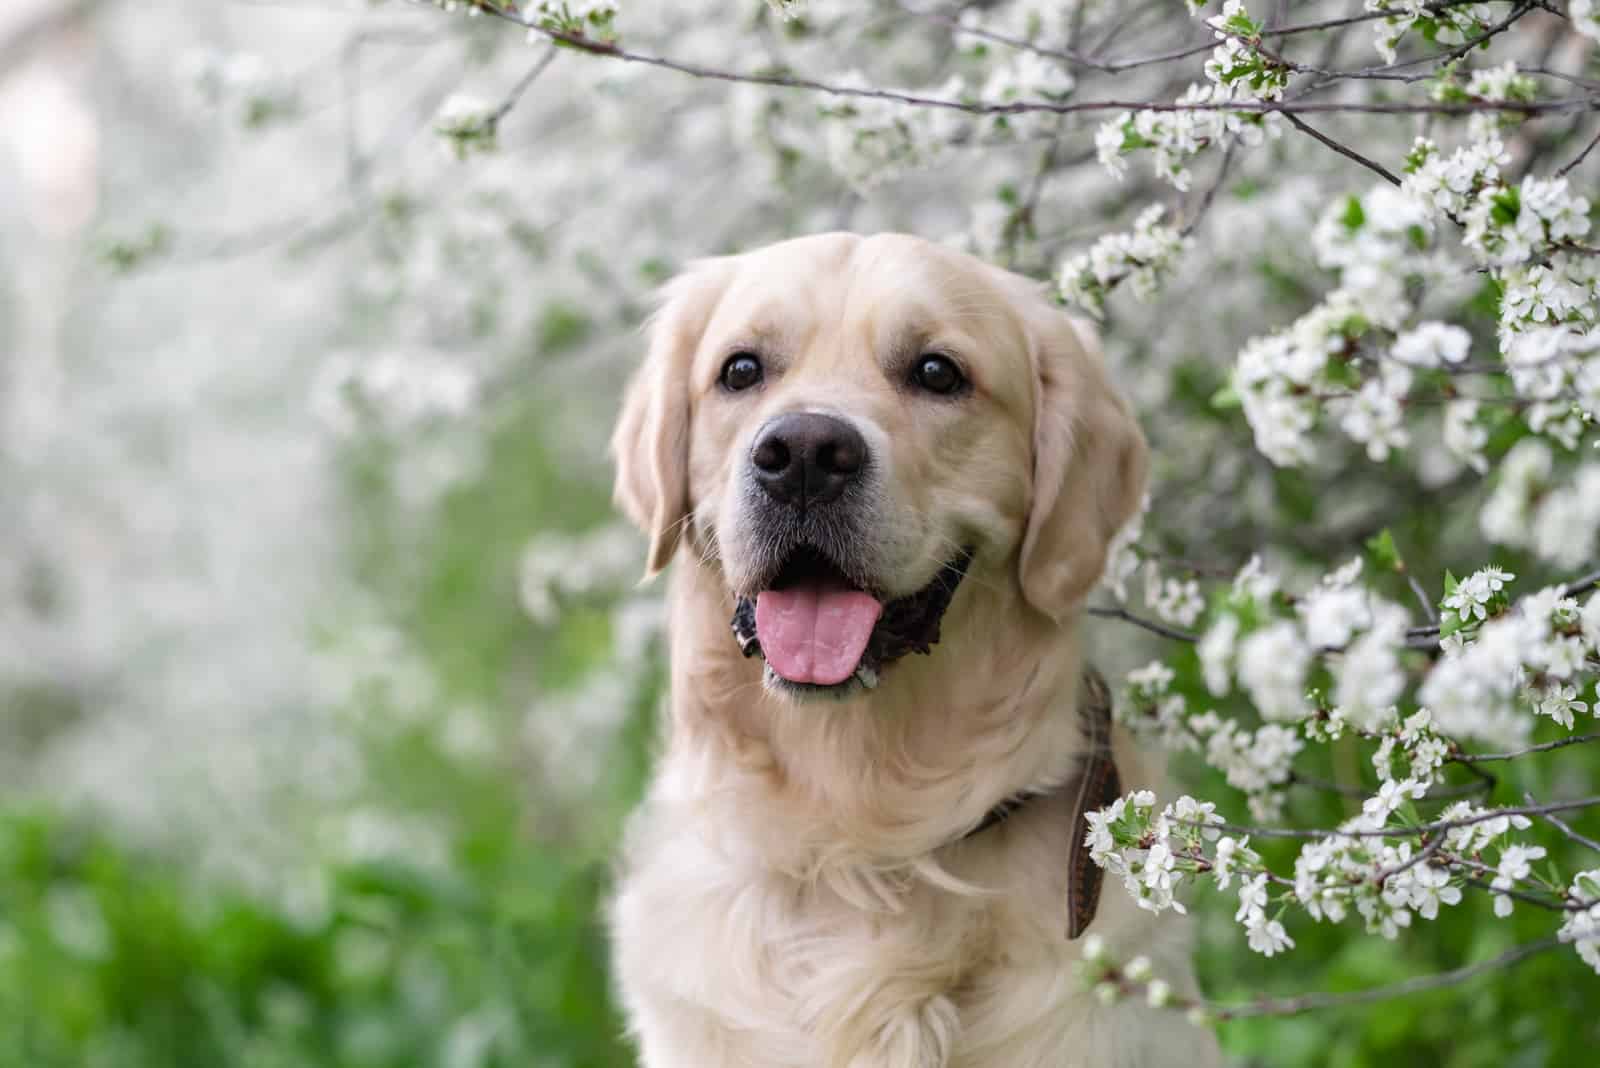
794 891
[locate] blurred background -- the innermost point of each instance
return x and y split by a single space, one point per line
325 680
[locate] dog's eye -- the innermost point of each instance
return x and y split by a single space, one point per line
742 371
938 374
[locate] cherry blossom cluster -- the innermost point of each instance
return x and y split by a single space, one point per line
1235 71
1503 660
1139 257
393 393
595 19
872 141
466 124
1532 508
557 569
1502 665
1447 24
241 84
1352 357
1369 867
1256 762
1502 83
1582 926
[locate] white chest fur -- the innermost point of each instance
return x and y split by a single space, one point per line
724 961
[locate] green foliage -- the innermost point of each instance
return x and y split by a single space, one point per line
109 958
1382 552
126 254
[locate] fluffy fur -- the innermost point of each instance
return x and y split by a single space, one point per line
795 890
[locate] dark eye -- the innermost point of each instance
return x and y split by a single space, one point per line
742 371
938 374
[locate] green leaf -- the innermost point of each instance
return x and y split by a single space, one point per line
1354 216
1226 398
1418 156
1506 206
1383 552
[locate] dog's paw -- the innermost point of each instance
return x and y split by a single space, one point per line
916 1036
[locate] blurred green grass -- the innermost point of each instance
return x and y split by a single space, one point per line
109 957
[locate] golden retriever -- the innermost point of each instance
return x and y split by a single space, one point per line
868 448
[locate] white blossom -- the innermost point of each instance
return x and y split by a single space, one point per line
1514 867
1122 556
1175 601
1141 258
1216 648
1272 667
1464 437
1581 928
1432 345
1477 592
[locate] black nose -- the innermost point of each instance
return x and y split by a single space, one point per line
804 458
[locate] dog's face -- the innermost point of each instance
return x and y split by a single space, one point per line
843 427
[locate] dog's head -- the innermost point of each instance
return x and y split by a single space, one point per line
843 426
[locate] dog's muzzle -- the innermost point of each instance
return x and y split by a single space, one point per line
820 635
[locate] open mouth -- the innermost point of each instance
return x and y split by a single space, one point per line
820 630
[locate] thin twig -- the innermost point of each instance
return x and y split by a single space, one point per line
1566 829
1386 72
1308 1002
1116 612
1422 598
1021 221
1348 153
1065 55
1564 171
504 109
1132 13
1525 896
1422 855
1448 794
1562 743
1351 20
1211 191
1313 783
1020 107
1413 830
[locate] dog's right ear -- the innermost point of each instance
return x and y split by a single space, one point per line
651 440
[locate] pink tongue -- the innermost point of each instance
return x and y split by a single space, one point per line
815 633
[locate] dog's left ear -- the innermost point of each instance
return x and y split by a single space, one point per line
1089 466
651 439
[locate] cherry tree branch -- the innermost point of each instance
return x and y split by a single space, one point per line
1564 171
503 109
1571 835
1154 627
1413 830
1293 1006
615 51
1343 150
1562 743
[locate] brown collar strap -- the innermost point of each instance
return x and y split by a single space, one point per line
1096 785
